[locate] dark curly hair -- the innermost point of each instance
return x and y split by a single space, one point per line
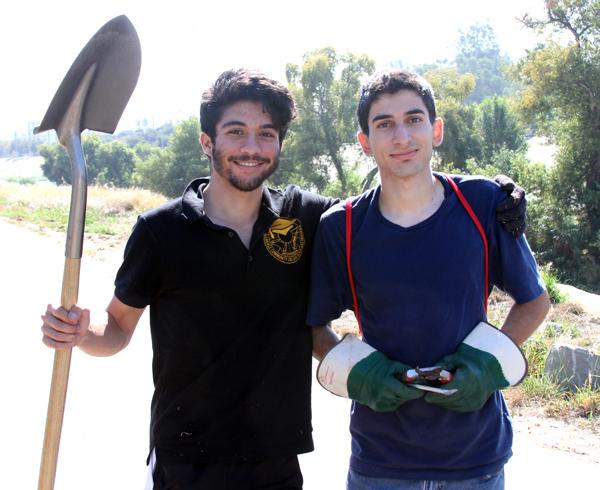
247 85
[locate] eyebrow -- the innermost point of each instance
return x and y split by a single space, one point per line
407 113
241 123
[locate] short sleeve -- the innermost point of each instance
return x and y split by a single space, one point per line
330 293
514 269
139 277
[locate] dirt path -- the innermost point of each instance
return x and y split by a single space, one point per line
590 303
107 415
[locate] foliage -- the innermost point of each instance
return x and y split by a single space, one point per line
113 164
23 180
540 387
168 170
326 88
472 132
551 281
565 324
109 211
146 135
561 96
107 163
479 54
56 166
461 141
499 128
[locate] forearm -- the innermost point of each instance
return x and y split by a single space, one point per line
324 339
523 319
104 339
115 334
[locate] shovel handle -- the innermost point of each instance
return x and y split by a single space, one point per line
58 387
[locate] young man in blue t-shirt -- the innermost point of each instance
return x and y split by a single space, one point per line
425 250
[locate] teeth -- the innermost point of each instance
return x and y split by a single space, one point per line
248 164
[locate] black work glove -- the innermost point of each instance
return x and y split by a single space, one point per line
512 212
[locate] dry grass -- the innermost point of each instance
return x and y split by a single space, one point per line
121 201
109 211
110 199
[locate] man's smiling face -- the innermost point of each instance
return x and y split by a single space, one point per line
246 147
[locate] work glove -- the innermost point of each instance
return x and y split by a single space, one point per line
486 361
353 369
512 212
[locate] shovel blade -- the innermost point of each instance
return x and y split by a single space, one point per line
116 52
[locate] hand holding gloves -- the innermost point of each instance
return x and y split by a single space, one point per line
486 361
353 369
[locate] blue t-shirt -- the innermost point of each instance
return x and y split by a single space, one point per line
420 292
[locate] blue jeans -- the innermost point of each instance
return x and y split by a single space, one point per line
356 481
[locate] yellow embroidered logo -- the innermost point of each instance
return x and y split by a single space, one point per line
285 240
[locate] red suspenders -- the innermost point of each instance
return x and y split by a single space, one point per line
469 211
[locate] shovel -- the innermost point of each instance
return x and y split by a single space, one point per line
93 95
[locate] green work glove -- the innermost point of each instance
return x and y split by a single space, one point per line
486 361
353 369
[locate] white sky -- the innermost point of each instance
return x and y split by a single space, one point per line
187 44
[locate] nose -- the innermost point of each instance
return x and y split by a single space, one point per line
401 135
251 144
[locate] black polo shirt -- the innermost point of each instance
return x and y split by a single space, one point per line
232 353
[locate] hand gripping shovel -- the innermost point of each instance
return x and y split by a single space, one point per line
92 95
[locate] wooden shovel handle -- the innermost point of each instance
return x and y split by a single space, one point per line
58 387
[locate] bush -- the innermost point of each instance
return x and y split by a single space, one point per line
556 295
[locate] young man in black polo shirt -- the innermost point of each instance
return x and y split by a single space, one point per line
225 271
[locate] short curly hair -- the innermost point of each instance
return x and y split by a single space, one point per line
247 85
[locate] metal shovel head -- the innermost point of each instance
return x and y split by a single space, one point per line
116 52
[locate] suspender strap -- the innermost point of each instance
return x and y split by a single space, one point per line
463 200
348 252
469 210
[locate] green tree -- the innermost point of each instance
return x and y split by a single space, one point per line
169 170
561 95
461 138
117 163
153 136
479 54
326 88
56 167
107 163
499 128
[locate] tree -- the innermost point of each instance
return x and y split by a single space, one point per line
326 88
57 166
499 128
479 54
117 163
153 136
561 96
169 170
461 139
107 163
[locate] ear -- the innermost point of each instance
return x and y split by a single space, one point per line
438 131
206 144
363 139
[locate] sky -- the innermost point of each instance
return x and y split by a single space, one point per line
187 44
